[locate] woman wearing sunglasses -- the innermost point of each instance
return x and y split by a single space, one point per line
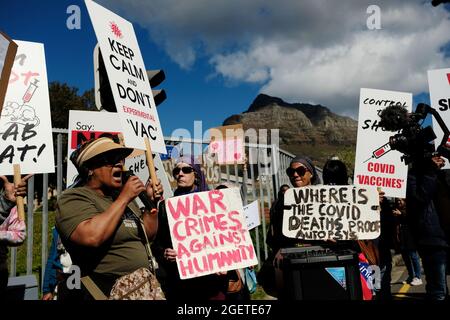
98 220
190 179
301 173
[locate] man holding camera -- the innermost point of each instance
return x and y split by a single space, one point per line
428 208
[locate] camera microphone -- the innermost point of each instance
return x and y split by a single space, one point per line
394 118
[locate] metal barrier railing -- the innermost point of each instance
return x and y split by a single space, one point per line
262 185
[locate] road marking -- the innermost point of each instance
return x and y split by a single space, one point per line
404 289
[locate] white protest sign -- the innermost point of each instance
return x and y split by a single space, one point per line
439 83
331 213
25 123
251 212
209 232
86 125
128 78
139 167
8 49
376 164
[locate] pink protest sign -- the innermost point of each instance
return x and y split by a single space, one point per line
209 232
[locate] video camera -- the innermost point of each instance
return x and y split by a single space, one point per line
413 140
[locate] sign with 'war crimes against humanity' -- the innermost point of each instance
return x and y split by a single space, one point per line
331 213
439 83
209 232
376 164
25 123
128 78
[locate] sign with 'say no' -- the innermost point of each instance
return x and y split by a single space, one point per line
128 78
25 123
87 125
331 213
209 232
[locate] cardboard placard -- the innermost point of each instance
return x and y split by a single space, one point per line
376 164
209 232
331 213
25 123
439 84
209 167
227 144
8 49
128 78
252 216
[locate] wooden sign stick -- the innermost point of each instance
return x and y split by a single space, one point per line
19 200
151 165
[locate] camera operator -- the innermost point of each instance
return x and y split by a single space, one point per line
428 209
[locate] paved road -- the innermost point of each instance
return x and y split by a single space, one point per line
402 291
399 290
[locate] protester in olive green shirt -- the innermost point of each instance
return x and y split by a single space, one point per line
98 220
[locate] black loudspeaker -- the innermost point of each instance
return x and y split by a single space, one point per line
316 273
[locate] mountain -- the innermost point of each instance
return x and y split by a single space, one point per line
312 130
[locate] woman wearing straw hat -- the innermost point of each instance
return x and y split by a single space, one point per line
98 219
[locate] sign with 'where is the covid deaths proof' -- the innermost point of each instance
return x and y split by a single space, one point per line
331 213
128 78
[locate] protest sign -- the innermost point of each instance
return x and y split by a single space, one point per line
209 232
8 49
251 213
25 123
208 165
128 78
86 125
227 144
331 213
439 83
376 164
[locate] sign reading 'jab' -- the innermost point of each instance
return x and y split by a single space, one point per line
25 123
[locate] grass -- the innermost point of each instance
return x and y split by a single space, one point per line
21 261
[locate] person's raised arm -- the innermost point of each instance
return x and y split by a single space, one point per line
96 230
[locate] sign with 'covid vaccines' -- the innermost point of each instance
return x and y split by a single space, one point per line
376 163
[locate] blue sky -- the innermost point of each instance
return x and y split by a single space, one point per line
219 54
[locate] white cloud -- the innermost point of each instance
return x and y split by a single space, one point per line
317 51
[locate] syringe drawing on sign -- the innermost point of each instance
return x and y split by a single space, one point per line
379 152
23 114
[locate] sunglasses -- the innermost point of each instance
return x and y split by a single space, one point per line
301 171
186 170
110 160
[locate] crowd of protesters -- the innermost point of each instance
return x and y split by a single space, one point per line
101 228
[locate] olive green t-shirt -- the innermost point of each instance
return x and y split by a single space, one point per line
122 253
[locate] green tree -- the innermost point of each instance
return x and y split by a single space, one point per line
62 99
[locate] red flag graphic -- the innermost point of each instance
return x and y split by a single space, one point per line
448 78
